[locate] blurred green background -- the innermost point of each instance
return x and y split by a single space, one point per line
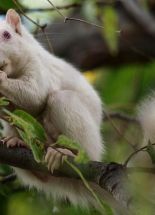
117 59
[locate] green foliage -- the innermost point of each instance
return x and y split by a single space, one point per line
36 127
110 23
30 131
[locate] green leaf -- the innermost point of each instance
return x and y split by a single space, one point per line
36 126
82 157
151 151
110 30
38 150
4 101
30 131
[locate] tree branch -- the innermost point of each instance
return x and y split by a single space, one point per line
144 148
23 158
122 117
112 178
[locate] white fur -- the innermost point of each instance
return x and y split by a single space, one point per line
60 188
52 89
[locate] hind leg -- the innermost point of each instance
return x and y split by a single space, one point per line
73 119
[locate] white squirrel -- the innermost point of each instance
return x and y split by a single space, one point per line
57 94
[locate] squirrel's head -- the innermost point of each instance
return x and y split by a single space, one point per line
11 41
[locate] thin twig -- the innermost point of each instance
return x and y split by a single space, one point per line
56 8
120 32
121 116
96 25
118 131
134 153
82 20
75 19
48 41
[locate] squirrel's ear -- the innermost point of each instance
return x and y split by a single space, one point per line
13 19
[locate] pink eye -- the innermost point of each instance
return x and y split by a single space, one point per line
6 35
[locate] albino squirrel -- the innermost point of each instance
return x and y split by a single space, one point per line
56 94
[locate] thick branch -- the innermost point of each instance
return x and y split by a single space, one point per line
111 177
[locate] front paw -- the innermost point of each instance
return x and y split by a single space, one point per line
3 76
